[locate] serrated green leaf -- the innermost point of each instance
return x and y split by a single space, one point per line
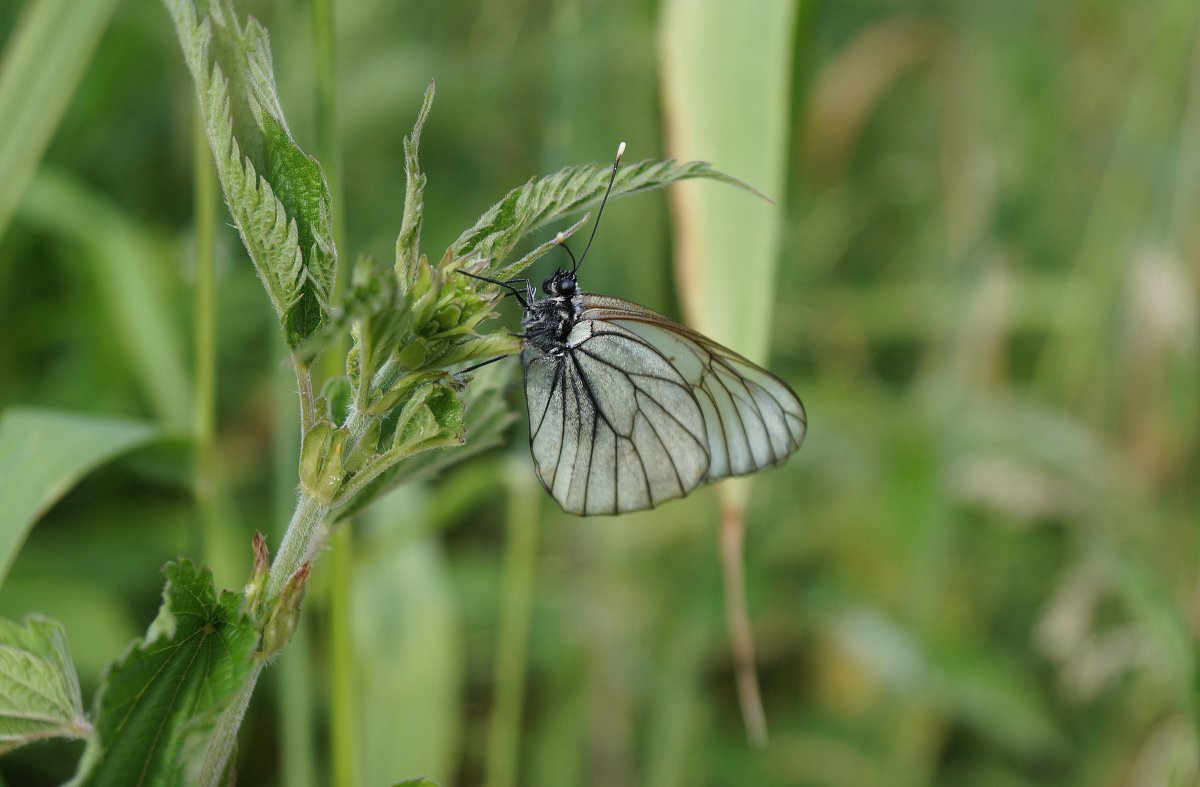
276 193
300 186
543 200
42 455
514 269
158 703
408 244
39 691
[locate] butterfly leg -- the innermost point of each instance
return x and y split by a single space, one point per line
479 365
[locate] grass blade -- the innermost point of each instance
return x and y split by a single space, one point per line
726 71
41 67
129 267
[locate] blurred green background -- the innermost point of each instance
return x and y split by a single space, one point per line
980 569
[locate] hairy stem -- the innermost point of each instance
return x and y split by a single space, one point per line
301 533
304 387
294 673
296 549
224 737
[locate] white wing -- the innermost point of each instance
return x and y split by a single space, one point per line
640 410
753 420
612 427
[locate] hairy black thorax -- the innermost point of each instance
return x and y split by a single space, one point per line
548 321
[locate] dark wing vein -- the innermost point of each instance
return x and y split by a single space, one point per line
752 418
672 406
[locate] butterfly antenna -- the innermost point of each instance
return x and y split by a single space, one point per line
561 240
611 179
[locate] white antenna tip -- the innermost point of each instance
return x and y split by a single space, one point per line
620 150
560 239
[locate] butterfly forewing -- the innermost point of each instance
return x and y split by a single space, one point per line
613 427
638 409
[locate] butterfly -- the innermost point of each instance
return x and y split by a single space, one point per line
629 409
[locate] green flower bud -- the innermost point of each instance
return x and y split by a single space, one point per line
252 596
321 469
284 616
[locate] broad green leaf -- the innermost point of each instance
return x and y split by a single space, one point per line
39 691
128 267
42 454
276 193
543 200
42 63
158 703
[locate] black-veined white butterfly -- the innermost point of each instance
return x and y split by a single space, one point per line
628 409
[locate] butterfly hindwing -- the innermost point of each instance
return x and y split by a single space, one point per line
752 419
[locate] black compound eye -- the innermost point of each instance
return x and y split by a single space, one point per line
548 286
566 286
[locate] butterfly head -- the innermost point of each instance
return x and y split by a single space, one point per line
561 285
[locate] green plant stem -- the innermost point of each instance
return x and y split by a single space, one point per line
304 382
294 672
303 534
204 385
224 737
520 564
343 712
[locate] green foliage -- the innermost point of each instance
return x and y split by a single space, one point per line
980 569
473 427
410 325
129 267
39 692
404 611
160 701
275 191
42 454
543 200
408 244
41 67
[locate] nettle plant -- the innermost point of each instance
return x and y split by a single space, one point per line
169 710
